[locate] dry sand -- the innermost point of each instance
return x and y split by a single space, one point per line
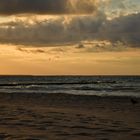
68 117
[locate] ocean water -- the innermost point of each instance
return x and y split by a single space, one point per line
78 85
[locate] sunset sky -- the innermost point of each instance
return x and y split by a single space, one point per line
76 37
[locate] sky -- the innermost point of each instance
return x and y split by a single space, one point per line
70 37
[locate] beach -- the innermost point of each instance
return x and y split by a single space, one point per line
69 69
68 117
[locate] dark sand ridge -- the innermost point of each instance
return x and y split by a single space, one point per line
68 117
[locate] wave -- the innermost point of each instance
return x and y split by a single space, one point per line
58 83
99 86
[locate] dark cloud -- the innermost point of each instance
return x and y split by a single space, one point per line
56 31
124 29
31 50
80 46
11 7
8 7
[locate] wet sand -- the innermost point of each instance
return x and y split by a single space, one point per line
68 117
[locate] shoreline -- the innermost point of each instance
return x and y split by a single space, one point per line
69 100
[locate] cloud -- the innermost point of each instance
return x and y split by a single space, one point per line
63 30
80 46
71 30
12 7
31 50
125 29
116 8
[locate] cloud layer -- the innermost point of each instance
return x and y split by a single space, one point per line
92 23
54 31
65 30
125 29
12 7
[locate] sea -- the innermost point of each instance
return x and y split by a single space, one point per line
77 85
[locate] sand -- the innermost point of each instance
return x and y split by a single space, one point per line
68 117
